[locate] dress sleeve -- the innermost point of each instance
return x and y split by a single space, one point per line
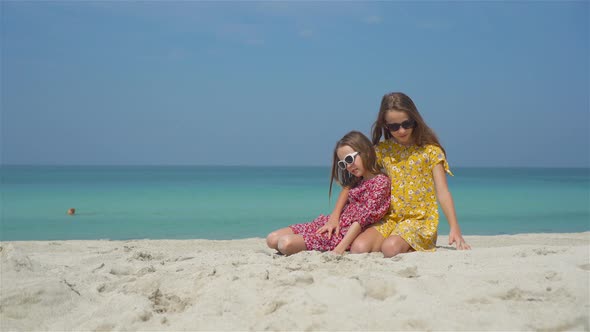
435 156
376 205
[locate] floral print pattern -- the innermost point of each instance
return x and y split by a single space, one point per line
367 203
414 210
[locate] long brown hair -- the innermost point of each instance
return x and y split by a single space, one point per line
398 101
361 144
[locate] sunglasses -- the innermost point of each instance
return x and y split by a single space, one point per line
348 160
395 126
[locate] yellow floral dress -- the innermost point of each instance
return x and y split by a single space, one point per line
413 212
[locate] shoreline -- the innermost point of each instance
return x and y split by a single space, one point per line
257 238
525 281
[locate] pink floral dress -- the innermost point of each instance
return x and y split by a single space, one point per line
367 203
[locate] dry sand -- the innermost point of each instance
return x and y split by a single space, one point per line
519 282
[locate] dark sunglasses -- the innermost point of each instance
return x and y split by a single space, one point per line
395 126
348 160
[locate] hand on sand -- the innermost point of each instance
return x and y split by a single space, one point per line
455 237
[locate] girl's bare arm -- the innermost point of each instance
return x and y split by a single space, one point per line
445 199
353 232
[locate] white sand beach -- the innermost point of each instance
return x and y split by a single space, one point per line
521 282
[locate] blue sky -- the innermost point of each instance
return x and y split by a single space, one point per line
277 83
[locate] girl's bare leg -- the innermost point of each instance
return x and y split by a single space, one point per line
291 244
368 241
394 245
272 239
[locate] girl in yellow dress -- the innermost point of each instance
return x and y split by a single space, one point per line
416 164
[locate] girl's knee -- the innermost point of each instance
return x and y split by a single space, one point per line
360 247
389 251
368 241
272 240
393 246
285 245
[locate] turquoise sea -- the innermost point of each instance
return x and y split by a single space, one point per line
206 202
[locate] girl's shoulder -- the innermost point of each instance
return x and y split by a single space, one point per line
430 147
434 154
380 179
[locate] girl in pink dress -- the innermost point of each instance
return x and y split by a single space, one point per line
354 167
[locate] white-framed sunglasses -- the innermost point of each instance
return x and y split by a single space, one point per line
348 160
